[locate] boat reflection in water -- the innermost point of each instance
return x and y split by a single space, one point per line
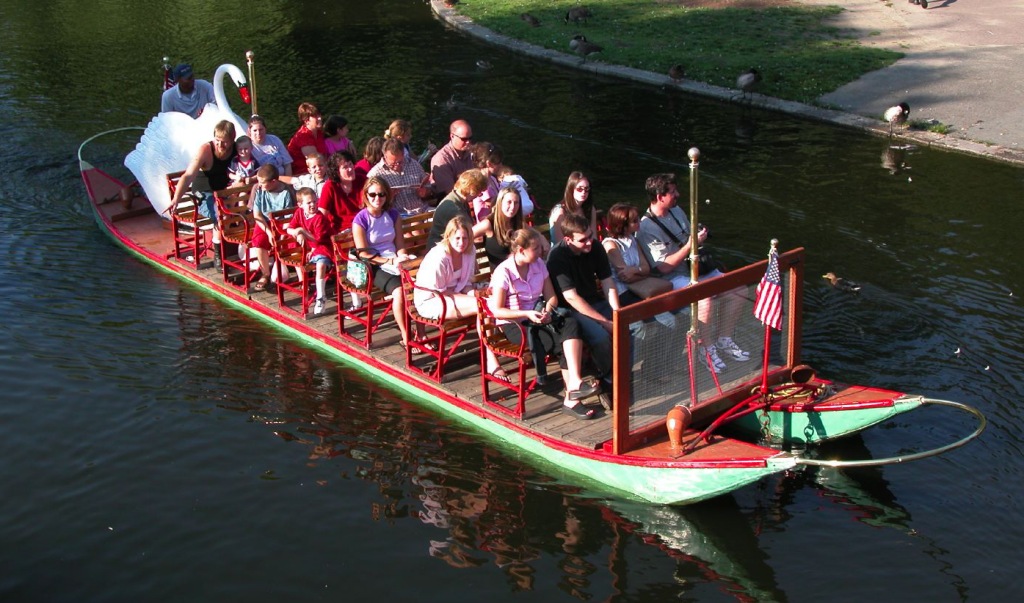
489 511
711 542
861 491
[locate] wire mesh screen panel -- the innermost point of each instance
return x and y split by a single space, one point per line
670 359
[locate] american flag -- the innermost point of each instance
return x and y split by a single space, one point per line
768 302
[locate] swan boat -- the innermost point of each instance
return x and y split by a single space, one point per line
671 432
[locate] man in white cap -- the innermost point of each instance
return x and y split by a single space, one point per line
188 95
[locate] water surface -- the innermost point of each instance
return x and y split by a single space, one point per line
158 445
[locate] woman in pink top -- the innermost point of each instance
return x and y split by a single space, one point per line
336 135
521 291
444 283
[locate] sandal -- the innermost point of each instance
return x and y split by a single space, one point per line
500 374
415 351
579 411
261 284
586 388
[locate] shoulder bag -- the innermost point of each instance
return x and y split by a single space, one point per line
357 269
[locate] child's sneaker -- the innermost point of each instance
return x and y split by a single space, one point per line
709 358
357 302
318 307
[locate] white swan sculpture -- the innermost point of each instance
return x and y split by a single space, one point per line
171 139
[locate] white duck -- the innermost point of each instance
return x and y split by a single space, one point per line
171 139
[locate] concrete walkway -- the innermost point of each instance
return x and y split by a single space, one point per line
961 69
962 66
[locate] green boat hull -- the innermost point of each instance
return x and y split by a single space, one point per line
808 427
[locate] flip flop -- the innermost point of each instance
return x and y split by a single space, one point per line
586 388
500 374
261 284
579 411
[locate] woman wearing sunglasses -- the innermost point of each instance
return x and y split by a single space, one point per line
377 234
576 200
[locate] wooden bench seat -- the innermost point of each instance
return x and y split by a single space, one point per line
188 226
236 227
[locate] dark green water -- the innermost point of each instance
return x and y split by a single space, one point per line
157 446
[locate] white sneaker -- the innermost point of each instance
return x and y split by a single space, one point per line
727 345
318 307
709 358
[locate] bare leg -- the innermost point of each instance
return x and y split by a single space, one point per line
264 259
459 305
573 351
492 362
398 311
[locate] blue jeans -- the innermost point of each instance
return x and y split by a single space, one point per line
599 340
318 259
207 205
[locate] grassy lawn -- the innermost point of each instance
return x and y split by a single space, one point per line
799 55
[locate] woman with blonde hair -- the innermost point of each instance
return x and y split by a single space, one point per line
401 129
444 283
505 219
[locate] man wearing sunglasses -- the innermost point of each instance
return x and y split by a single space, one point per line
454 158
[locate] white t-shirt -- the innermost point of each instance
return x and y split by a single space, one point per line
192 104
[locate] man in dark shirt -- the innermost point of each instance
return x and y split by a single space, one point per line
583 282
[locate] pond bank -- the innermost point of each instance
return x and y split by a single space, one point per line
946 76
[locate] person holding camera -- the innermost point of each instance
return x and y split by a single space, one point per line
522 292
665 234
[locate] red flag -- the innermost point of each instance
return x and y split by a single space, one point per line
768 302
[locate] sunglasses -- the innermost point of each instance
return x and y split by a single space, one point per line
374 195
463 138
583 189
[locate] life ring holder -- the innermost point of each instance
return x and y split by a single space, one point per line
893 460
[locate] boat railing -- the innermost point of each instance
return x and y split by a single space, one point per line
661 358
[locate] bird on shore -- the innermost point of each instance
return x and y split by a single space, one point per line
583 47
577 14
896 116
748 81
841 283
677 72
530 19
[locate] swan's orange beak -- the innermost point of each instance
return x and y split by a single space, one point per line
244 91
